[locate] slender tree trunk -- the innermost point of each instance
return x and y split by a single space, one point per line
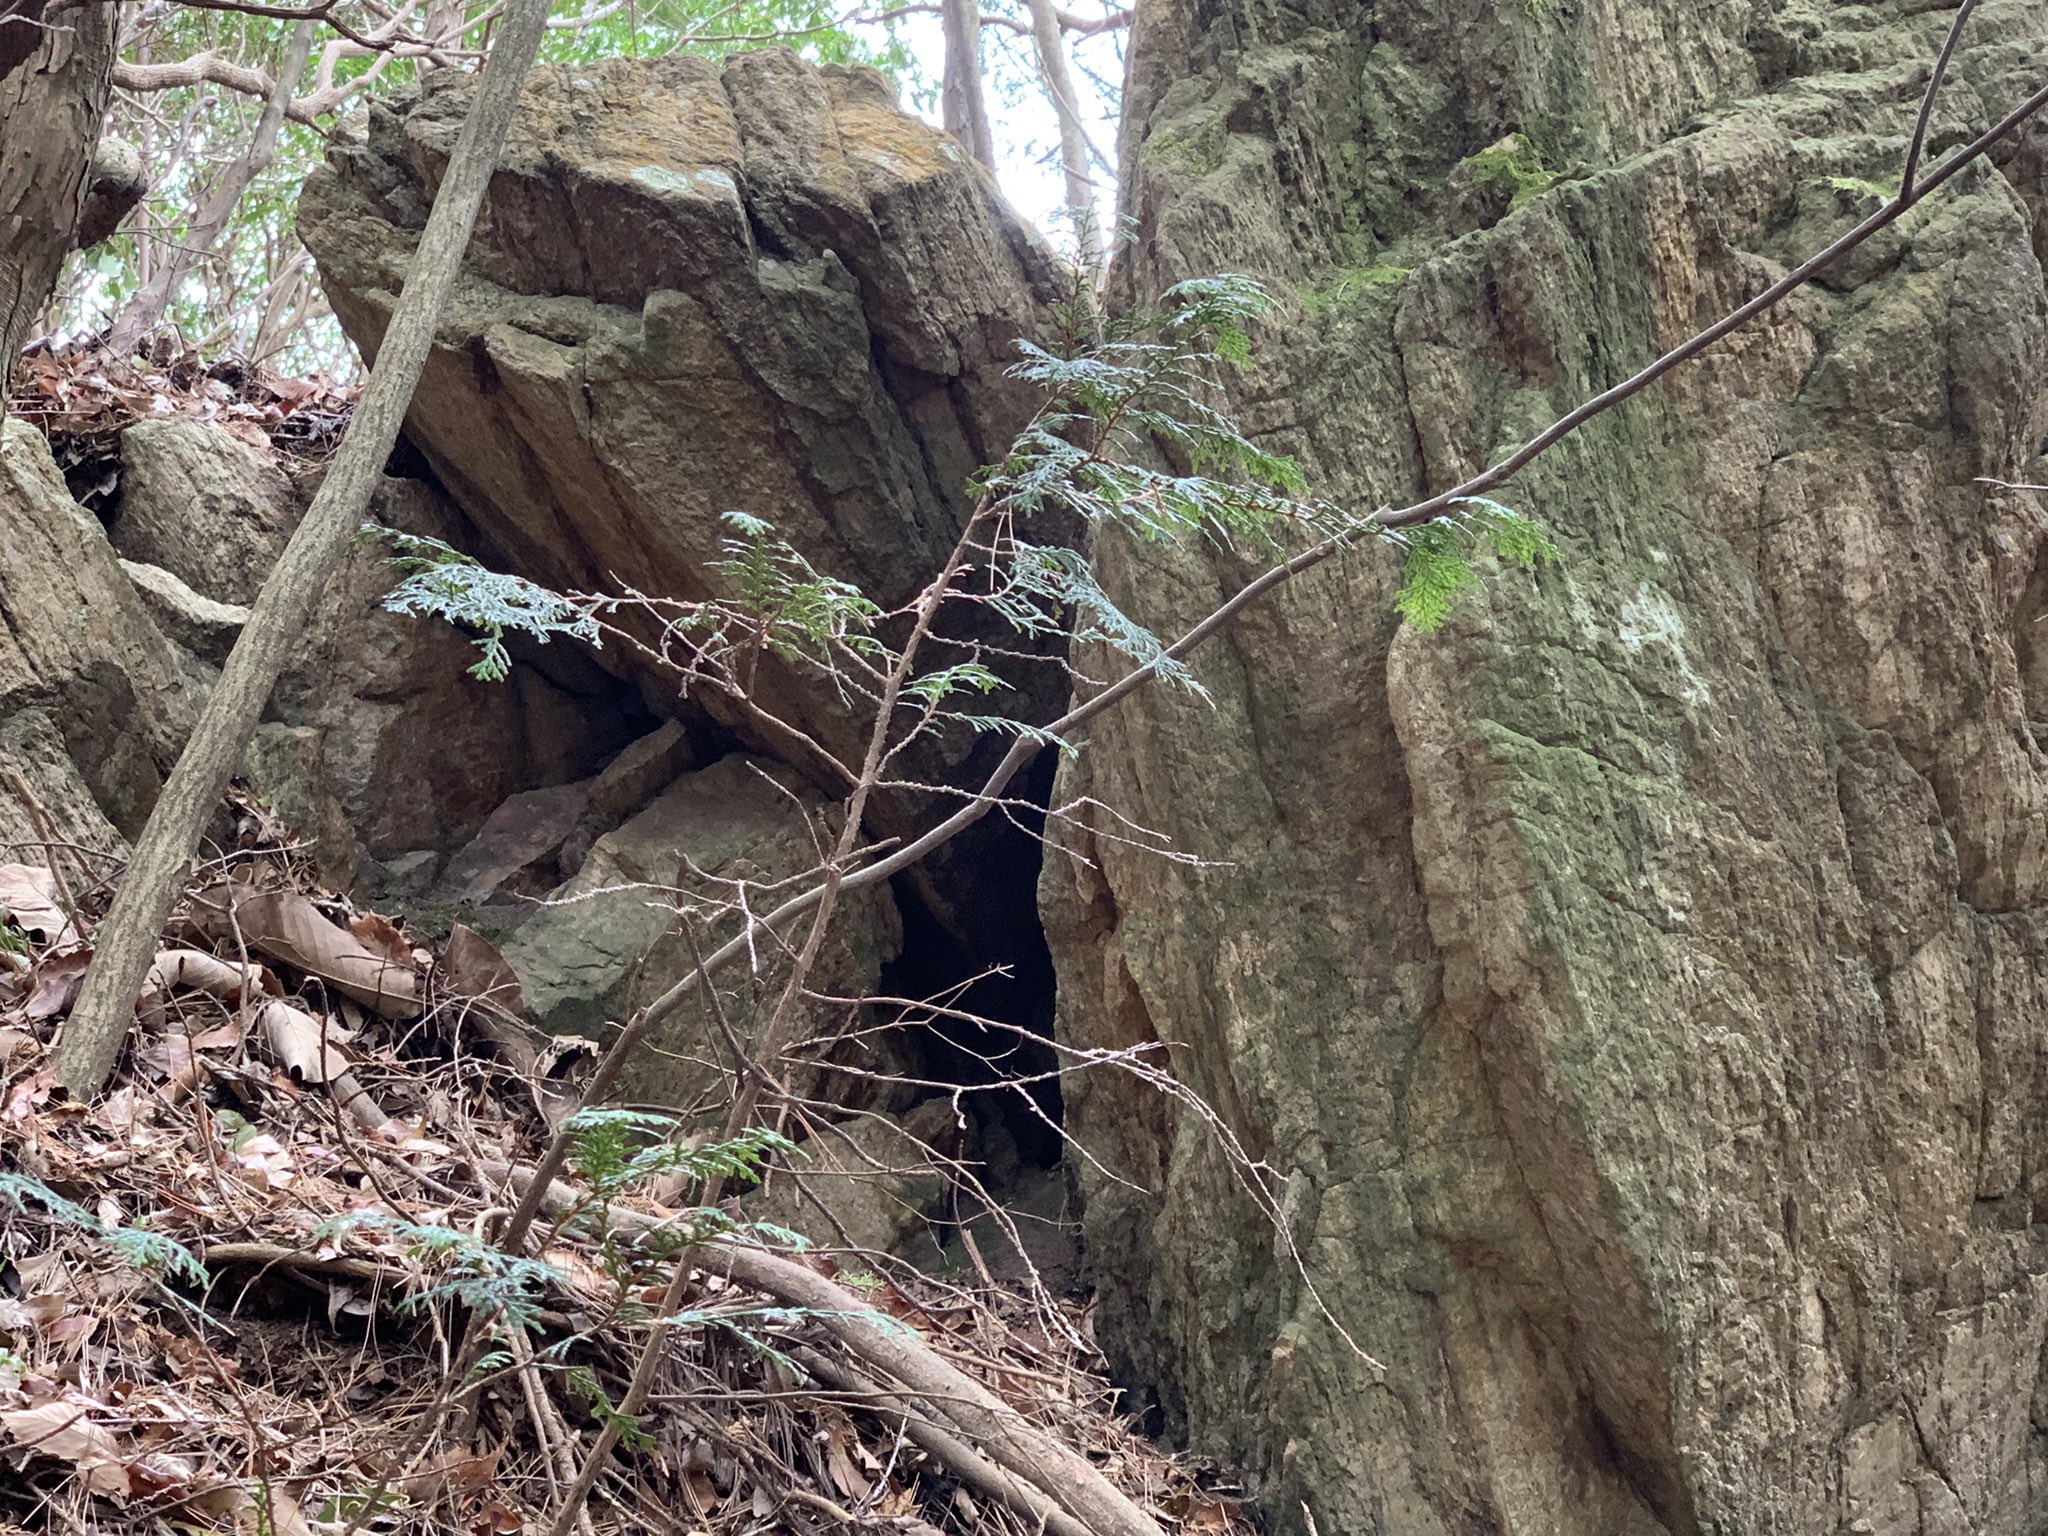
1059 85
443 30
126 941
143 313
961 101
55 65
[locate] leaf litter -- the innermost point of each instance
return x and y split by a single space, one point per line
82 398
230 1298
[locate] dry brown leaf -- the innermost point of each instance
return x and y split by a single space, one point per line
303 1045
63 1430
285 1516
581 1274
45 1309
451 1471
159 1472
16 1045
28 1095
66 1329
901 1499
174 1061
175 1056
380 936
472 967
846 1476
703 1493
174 969
57 981
118 1112
28 895
286 926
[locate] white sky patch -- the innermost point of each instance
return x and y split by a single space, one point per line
1021 117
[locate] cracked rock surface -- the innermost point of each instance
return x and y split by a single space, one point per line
1638 989
697 289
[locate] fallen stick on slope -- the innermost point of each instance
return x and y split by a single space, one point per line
954 1454
993 1429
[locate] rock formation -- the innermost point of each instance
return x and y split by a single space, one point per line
755 287
91 709
1637 989
377 748
198 502
381 744
1636 994
607 944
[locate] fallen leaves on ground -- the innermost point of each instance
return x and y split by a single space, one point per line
28 899
227 1306
82 398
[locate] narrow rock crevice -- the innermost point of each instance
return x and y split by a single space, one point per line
1013 1103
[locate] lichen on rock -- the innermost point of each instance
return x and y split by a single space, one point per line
1636 985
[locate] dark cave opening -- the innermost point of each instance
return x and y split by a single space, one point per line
973 942
999 969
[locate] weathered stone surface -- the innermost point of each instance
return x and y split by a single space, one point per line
32 744
1640 988
202 626
211 510
380 744
701 288
875 1177
518 841
537 839
627 782
602 947
91 711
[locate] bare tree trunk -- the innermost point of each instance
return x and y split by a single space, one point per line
143 313
961 102
1059 85
55 66
126 941
443 29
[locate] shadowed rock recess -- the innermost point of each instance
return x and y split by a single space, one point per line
701 288
1641 986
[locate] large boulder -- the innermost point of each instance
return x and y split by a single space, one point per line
1638 991
92 711
726 838
537 839
198 503
699 288
379 745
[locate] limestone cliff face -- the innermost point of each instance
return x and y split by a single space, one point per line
1639 990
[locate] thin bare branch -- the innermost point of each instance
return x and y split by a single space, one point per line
1934 79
